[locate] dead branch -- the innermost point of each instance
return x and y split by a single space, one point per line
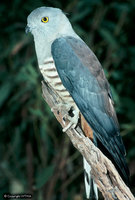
103 171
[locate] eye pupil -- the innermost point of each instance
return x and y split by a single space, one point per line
45 18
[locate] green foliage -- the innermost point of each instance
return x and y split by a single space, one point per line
43 176
35 156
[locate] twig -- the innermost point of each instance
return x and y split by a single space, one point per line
103 171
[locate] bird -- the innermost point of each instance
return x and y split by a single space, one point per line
73 71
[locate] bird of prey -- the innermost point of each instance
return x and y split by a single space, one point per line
73 71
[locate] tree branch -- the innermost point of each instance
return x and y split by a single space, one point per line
103 171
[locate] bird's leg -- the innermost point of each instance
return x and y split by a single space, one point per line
69 113
72 115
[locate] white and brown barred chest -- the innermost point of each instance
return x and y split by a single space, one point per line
50 75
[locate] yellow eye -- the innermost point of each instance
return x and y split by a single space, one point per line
44 19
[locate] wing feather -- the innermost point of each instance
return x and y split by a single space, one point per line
83 76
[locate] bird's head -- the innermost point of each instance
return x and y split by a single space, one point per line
48 23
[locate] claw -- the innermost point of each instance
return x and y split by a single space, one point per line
72 115
67 127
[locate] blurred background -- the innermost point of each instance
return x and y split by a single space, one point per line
35 156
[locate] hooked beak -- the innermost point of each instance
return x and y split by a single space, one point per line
27 29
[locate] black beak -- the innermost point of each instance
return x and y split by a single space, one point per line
27 29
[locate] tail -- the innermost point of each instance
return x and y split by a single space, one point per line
90 186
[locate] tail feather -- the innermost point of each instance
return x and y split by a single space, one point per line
90 186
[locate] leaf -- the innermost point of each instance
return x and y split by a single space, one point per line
44 175
36 112
128 127
108 37
5 91
82 15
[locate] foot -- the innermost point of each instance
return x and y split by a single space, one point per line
71 114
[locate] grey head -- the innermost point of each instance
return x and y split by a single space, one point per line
46 24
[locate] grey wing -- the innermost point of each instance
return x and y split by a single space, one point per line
83 76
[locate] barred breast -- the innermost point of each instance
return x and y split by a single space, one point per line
50 75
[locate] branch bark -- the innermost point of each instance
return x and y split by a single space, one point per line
103 171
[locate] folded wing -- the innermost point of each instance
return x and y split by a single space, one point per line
83 76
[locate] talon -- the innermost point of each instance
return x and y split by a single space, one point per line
67 127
